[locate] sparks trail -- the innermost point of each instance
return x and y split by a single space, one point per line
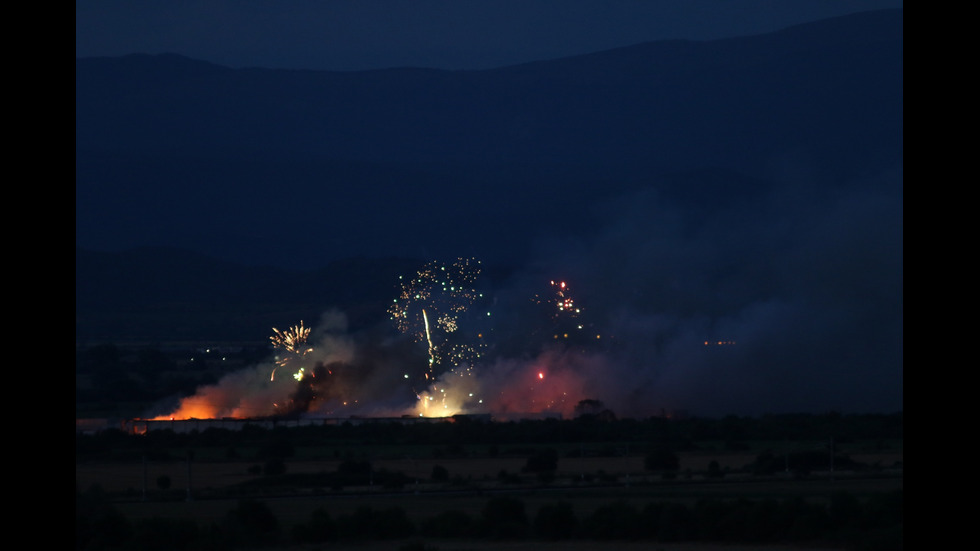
432 349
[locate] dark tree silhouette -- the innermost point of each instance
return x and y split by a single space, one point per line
505 517
555 521
439 473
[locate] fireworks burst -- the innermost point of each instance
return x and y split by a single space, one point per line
292 345
432 307
565 315
564 301
560 307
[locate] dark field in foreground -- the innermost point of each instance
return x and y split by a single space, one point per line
291 509
424 500
434 488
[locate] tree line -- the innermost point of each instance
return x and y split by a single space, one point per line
606 435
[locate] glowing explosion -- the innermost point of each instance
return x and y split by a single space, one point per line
440 309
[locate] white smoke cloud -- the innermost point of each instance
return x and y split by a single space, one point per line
806 281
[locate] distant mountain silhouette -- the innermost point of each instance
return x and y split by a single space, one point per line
237 163
672 104
302 169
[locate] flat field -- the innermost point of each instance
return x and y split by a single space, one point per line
473 481
344 472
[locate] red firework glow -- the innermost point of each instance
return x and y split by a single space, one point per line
557 382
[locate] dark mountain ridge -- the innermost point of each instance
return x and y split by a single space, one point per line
177 152
299 191
651 104
508 113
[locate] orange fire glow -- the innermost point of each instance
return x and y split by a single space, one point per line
193 407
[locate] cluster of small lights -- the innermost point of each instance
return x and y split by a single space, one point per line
446 291
433 301
561 299
465 356
565 302
562 309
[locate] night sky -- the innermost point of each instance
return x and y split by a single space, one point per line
350 35
803 275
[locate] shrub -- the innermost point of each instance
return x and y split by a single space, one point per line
555 521
439 473
449 524
504 517
253 521
158 534
320 528
163 482
417 546
618 520
98 524
369 523
274 466
677 523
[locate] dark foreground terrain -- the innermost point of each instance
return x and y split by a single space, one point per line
781 482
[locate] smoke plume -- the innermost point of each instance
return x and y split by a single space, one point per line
784 298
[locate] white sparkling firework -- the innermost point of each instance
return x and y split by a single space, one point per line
430 307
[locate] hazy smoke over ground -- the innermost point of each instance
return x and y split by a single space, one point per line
343 375
806 281
785 299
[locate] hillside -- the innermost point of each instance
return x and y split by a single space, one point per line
302 167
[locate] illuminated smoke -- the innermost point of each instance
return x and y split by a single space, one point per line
537 365
444 368
645 320
252 392
789 300
552 382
